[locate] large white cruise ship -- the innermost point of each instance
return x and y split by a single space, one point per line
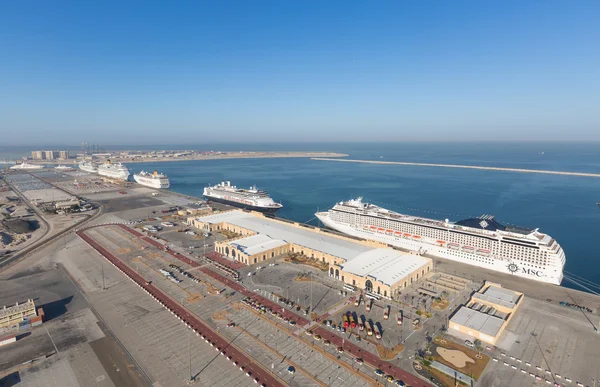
154 180
252 199
114 171
88 166
479 241
26 166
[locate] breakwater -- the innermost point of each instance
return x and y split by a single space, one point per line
480 167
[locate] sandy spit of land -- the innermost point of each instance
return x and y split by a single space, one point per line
231 155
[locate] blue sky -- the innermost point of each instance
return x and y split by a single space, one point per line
149 72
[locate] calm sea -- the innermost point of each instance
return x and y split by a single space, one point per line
562 206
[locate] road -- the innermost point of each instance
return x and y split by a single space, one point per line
348 346
254 369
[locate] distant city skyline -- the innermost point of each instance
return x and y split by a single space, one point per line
116 73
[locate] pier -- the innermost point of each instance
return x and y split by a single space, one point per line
480 167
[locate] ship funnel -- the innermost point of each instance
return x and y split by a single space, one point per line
228 183
155 173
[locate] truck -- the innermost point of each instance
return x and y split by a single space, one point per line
352 321
345 321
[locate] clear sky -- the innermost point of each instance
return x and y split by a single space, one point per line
146 72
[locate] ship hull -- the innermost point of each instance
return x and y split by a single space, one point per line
501 265
116 176
152 183
266 210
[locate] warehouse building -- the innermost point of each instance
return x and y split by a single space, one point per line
368 265
487 313
383 272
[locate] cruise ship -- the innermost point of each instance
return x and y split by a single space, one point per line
481 241
25 166
251 199
88 166
63 168
153 180
114 171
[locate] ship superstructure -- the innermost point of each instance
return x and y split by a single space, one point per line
25 166
481 241
252 198
88 166
154 180
114 171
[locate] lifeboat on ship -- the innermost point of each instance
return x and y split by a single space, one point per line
469 249
441 243
381 230
417 236
453 246
483 252
365 227
398 233
389 232
407 235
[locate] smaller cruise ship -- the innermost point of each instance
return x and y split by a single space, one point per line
64 168
88 166
251 199
25 166
114 171
153 180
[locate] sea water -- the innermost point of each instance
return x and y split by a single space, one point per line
562 206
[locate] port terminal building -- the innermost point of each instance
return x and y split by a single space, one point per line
487 313
368 265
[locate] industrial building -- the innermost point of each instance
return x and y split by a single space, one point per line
12 317
49 155
368 265
487 313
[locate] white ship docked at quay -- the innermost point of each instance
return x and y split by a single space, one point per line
481 242
251 199
25 166
153 180
114 171
88 166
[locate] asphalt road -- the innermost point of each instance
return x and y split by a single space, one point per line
255 370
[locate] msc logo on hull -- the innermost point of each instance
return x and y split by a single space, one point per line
513 268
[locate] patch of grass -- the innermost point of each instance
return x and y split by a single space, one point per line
304 260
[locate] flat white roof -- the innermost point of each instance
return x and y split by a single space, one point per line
280 230
256 244
499 296
481 322
386 265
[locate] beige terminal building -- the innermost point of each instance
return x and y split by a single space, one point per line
368 265
487 313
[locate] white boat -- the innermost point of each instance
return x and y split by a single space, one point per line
114 171
63 168
481 241
25 166
88 166
252 199
153 180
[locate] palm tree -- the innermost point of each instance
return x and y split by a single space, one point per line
479 347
